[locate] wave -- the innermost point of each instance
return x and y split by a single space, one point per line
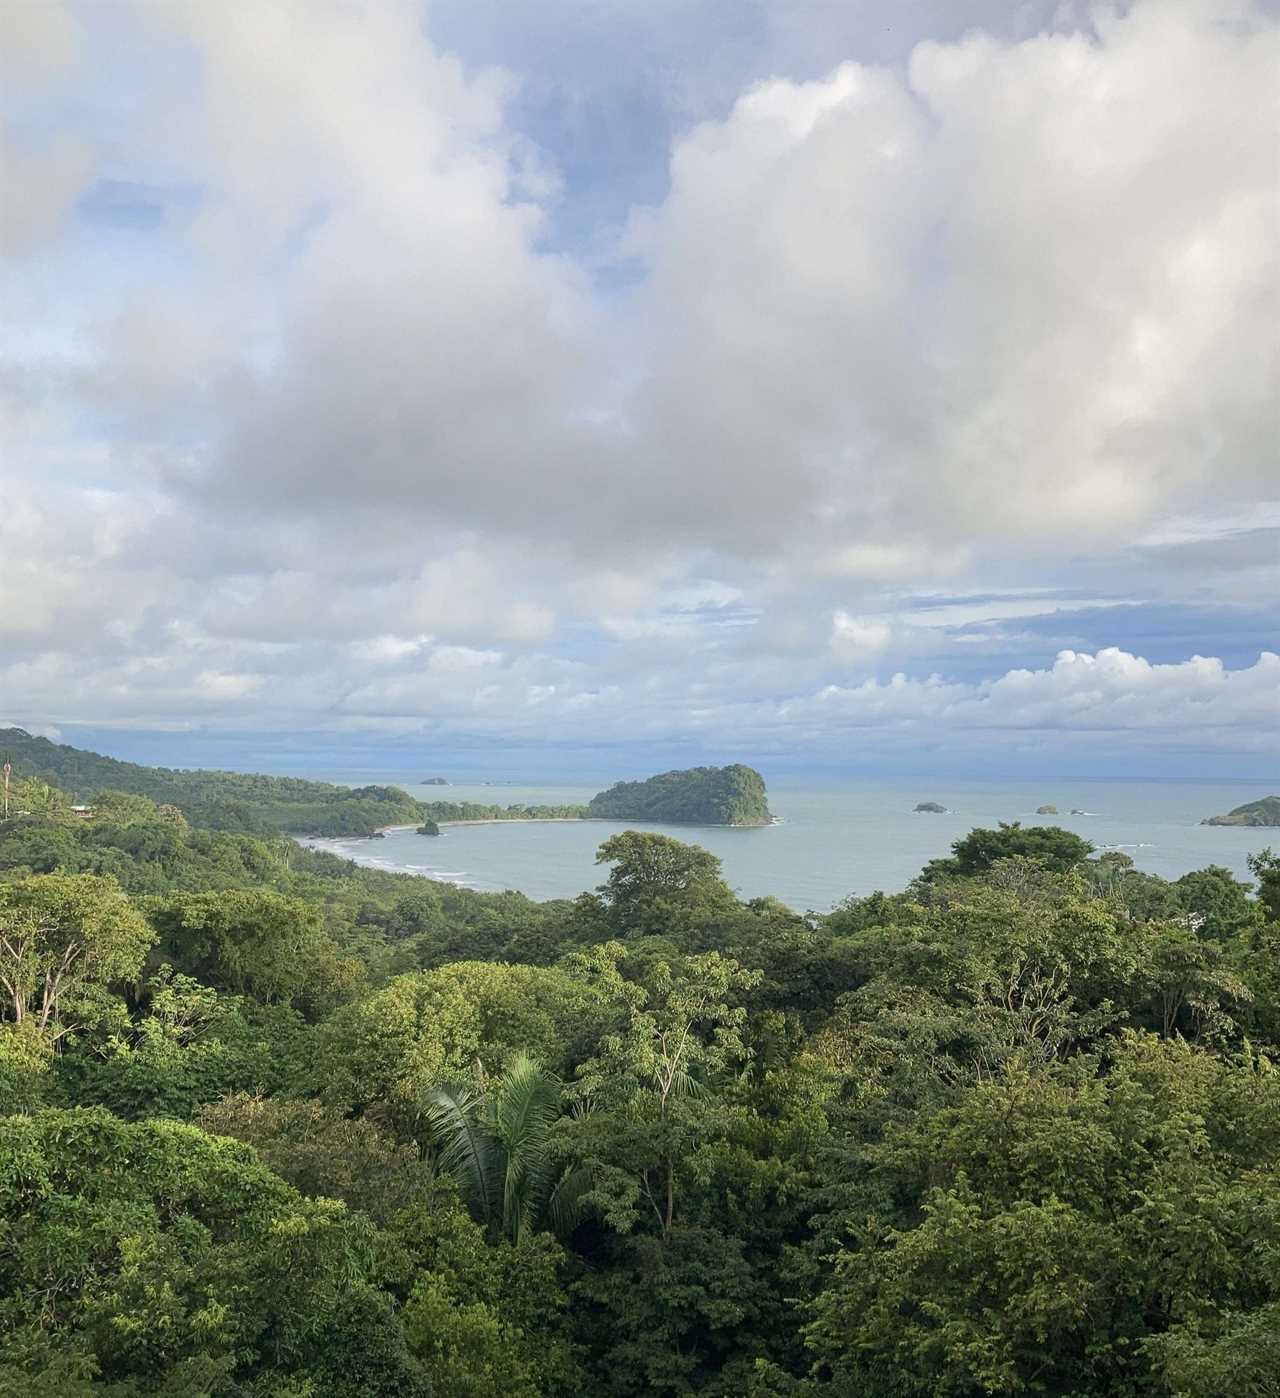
357 850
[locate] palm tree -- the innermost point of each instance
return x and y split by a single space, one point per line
494 1140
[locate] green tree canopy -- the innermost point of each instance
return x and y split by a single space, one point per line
1057 849
59 935
159 1254
248 941
1082 1231
655 880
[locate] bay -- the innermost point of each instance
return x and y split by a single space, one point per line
832 839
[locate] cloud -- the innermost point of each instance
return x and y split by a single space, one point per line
1017 293
905 350
40 173
858 638
1112 691
1011 292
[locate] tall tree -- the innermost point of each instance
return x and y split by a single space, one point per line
60 933
657 881
683 1031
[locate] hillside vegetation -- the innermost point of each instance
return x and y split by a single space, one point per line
695 796
273 1125
460 812
1255 813
211 799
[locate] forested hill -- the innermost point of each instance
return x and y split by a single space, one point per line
211 799
696 796
1265 812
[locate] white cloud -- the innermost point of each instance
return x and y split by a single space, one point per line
1019 294
858 638
346 438
1013 293
215 685
1112 691
382 648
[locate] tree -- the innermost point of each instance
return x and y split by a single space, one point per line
682 1032
988 973
33 797
485 1318
1265 867
42 847
248 941
429 1028
123 808
656 880
60 934
1195 991
419 909
164 1256
494 1139
672 1317
321 1152
975 853
186 1046
25 1055
1072 1231
1218 903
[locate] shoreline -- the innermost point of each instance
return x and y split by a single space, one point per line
548 820
594 820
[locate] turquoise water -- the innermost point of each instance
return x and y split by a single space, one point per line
832 840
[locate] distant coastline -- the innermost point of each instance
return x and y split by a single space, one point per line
564 820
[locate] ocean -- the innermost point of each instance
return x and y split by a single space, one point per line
831 840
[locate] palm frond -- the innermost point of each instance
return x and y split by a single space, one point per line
525 1105
564 1206
465 1150
683 1085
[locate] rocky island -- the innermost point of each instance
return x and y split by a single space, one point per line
732 795
1046 810
931 808
1264 813
434 781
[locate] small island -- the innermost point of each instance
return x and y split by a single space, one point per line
1046 810
695 796
732 795
1256 813
931 808
434 781
428 827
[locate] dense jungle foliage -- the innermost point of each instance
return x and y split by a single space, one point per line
276 1126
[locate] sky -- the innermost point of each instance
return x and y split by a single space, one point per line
562 385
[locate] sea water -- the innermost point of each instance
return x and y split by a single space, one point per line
831 840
